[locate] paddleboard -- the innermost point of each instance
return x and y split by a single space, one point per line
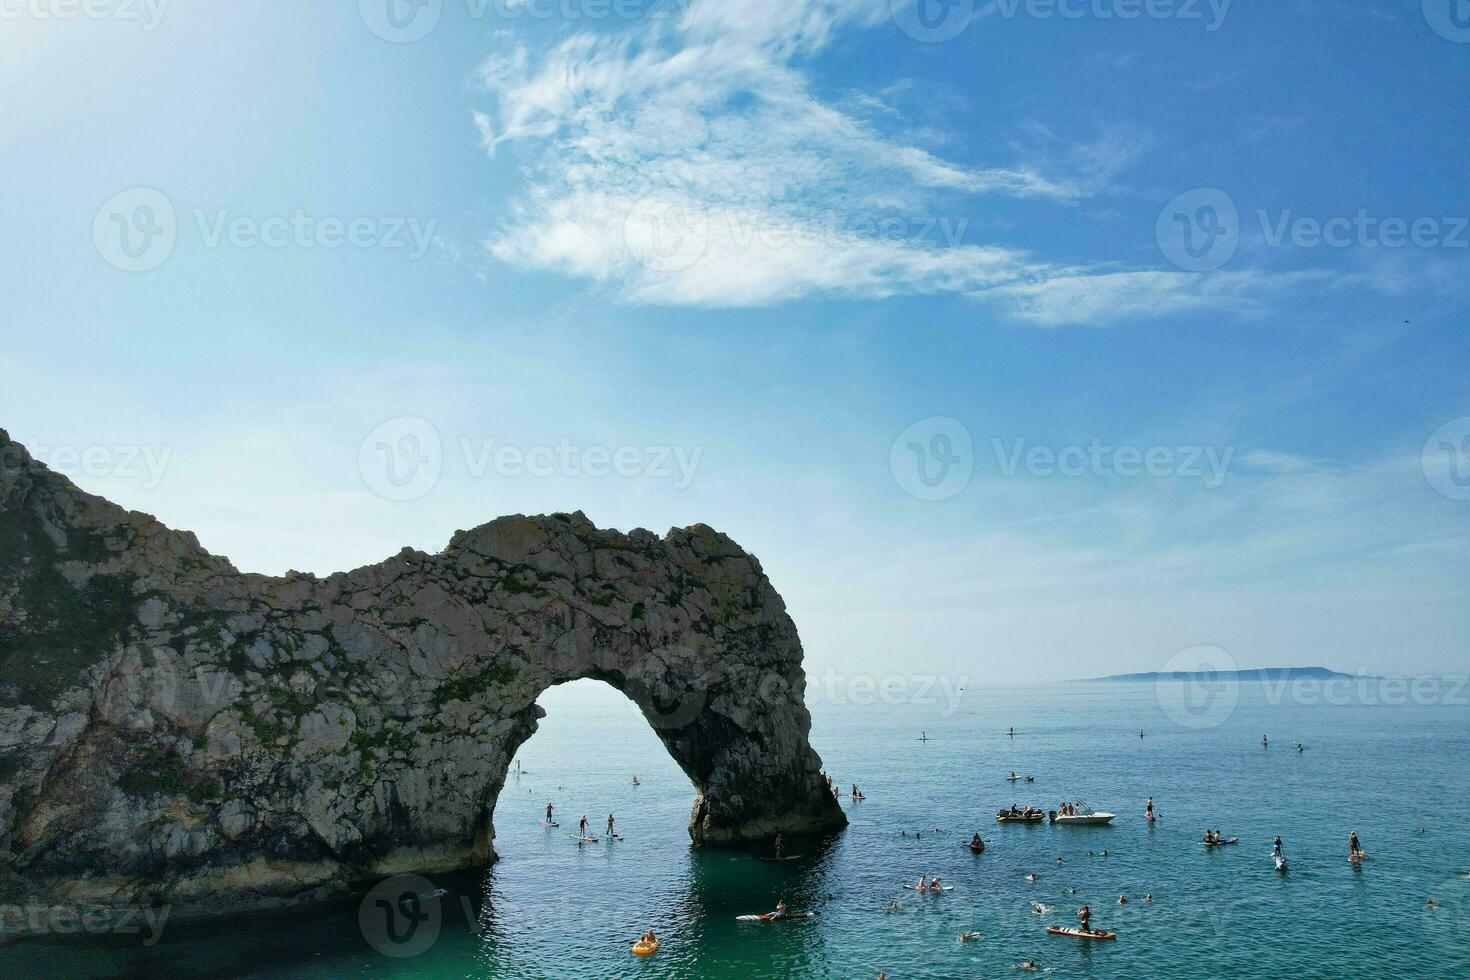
1355 858
545 824
788 857
1079 934
773 917
1280 862
1221 843
587 840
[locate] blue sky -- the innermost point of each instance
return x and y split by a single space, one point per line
792 260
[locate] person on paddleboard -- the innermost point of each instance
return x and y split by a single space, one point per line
1085 914
1276 851
1353 848
609 825
582 826
1148 808
780 844
548 813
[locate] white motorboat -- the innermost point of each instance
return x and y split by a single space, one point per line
1082 816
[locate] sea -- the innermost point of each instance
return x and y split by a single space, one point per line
1388 764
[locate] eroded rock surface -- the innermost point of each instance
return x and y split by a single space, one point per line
174 731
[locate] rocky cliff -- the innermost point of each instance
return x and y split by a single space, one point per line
174 731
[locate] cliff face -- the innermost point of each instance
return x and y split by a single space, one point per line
174 731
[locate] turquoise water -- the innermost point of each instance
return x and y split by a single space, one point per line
553 909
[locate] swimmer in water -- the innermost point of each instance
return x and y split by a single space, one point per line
966 937
1122 900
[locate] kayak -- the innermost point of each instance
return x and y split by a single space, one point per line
641 948
942 888
773 917
1079 934
1221 843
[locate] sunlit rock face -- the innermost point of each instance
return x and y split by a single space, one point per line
174 731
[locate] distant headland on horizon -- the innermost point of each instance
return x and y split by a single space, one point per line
1258 674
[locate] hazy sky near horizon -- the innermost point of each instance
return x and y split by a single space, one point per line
1015 345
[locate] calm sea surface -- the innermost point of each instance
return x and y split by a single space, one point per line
551 908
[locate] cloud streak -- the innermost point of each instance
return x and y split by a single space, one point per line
689 163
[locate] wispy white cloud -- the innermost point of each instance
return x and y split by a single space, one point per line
690 163
1103 297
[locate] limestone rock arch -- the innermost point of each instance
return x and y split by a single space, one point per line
174 730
